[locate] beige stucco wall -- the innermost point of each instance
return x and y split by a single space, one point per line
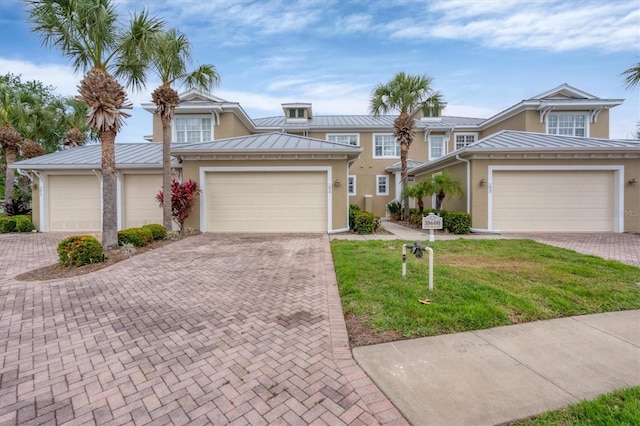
454 203
480 170
339 199
230 126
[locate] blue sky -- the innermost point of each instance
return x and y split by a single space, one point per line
483 55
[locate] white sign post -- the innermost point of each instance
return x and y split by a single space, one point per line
431 222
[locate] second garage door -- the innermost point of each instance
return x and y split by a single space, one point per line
553 201
74 203
266 202
140 205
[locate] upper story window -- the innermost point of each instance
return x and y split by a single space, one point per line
382 185
385 146
464 139
344 138
568 124
431 112
352 185
193 129
296 113
436 147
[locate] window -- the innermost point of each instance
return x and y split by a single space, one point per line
292 113
567 124
300 112
193 129
436 147
385 146
382 185
464 139
352 185
431 112
344 138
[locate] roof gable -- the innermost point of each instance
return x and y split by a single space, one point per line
197 95
564 91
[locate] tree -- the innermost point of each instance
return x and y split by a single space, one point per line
418 190
443 185
632 76
404 93
171 55
183 195
75 130
90 33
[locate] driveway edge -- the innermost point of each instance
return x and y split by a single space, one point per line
372 400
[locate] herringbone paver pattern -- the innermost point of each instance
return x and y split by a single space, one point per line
214 329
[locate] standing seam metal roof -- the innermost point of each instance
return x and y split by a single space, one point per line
511 139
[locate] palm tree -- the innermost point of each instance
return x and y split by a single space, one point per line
443 185
73 122
171 55
418 190
404 93
90 33
632 76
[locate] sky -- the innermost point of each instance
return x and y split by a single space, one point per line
483 55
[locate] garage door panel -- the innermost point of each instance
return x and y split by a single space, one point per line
266 202
140 205
74 203
551 200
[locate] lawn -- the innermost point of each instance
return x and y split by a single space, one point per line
616 408
478 284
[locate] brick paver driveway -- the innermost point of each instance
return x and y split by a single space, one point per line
624 248
213 329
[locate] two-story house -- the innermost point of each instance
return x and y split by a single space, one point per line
543 164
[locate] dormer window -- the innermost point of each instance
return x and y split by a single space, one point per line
297 112
431 112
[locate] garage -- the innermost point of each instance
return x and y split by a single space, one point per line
553 200
74 203
140 205
266 201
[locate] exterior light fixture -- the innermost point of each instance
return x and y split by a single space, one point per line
483 181
633 181
337 182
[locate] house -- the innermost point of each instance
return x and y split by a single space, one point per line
299 171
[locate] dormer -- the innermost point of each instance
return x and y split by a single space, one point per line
297 112
430 113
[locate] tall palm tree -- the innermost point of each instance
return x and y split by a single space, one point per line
171 55
443 185
90 33
404 93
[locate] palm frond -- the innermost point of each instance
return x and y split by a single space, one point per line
632 76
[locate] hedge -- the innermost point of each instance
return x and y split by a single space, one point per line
80 250
158 231
139 237
20 223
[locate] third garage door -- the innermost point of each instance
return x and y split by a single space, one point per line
553 200
266 202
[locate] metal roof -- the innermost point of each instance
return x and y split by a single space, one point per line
396 167
328 121
128 155
511 139
267 142
447 122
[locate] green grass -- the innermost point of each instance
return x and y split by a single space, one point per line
478 284
616 408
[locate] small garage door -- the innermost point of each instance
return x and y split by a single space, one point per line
266 202
140 205
549 201
74 203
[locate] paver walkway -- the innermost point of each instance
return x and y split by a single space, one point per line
213 329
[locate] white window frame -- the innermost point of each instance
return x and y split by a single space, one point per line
339 135
351 184
444 146
466 135
375 135
386 184
187 117
573 129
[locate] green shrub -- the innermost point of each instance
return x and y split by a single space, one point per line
139 237
353 210
158 231
7 224
23 223
365 223
457 222
395 209
80 250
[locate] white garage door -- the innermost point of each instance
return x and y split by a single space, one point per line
140 205
562 201
266 202
74 203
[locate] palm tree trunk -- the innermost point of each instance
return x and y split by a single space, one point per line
166 172
109 190
404 151
10 158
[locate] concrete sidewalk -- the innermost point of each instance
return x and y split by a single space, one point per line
503 374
